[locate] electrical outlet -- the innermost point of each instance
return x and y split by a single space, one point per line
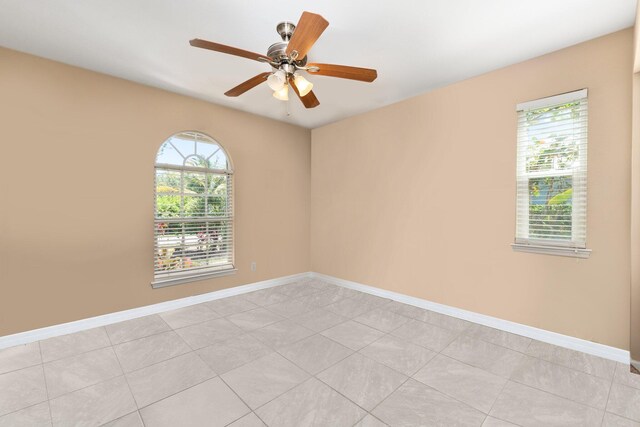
253 266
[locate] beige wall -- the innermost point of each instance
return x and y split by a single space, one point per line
635 201
78 150
419 197
635 222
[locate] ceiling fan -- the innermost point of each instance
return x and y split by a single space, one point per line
287 58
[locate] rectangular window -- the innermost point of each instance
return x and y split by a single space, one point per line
551 207
194 226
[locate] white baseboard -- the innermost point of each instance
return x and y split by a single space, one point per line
119 316
554 338
566 341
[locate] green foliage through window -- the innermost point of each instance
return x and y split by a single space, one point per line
552 153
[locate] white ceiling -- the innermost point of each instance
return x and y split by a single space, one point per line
416 45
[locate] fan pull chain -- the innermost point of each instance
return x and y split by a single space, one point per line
286 108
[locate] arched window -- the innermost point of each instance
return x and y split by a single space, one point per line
193 210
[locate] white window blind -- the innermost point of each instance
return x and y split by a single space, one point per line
551 211
193 210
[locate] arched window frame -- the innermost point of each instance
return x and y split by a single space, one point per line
193 230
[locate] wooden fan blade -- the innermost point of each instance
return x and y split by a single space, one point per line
308 30
204 44
249 84
309 100
344 72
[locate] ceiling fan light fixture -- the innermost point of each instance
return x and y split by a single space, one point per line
304 86
287 58
277 80
282 94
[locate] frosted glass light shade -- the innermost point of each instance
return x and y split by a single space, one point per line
277 80
282 94
304 86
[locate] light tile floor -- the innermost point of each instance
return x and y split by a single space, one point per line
309 354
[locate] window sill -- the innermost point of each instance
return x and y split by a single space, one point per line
177 280
552 250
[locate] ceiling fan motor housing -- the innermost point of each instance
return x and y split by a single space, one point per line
278 51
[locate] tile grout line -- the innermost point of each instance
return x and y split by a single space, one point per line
177 392
21 368
496 399
337 391
606 405
241 399
26 407
140 417
159 361
570 367
604 412
390 367
154 363
621 416
453 397
355 319
328 367
76 354
119 418
311 336
558 395
126 380
191 324
309 376
44 376
137 339
388 396
245 415
372 416
526 385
